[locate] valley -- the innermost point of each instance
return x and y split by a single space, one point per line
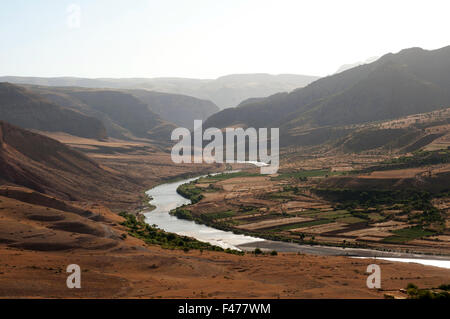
41 234
87 178
324 207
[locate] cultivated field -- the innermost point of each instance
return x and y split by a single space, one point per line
328 206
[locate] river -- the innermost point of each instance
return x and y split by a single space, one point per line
165 198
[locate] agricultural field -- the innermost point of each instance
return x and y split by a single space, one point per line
305 206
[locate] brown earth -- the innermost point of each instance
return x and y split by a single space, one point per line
35 251
114 173
22 107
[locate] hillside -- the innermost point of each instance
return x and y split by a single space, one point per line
226 91
409 82
123 115
45 165
126 111
24 108
410 133
349 66
231 90
176 108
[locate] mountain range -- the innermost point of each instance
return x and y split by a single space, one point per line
24 108
100 113
409 82
226 91
396 85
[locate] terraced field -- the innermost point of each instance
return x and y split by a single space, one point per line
293 206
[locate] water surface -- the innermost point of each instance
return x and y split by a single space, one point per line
166 198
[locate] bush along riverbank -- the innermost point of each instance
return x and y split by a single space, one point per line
442 292
154 236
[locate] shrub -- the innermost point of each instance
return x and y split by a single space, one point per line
444 287
257 251
153 235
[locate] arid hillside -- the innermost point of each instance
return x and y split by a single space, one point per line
52 214
26 109
402 135
160 110
123 115
48 166
409 82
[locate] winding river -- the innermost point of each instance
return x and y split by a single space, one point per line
165 198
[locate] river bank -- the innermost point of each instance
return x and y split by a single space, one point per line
165 198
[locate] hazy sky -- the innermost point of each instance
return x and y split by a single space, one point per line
210 38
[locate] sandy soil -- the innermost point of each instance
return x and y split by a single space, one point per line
41 235
36 248
156 273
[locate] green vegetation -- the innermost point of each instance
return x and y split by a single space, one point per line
351 220
418 159
194 193
190 191
303 175
444 287
340 215
407 234
287 193
220 215
300 225
146 202
370 198
279 196
375 217
408 200
415 293
182 213
156 236
257 251
351 206
369 206
223 176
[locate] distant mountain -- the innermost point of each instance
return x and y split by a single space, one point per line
226 91
409 82
26 109
123 115
125 111
346 67
231 90
50 167
176 108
